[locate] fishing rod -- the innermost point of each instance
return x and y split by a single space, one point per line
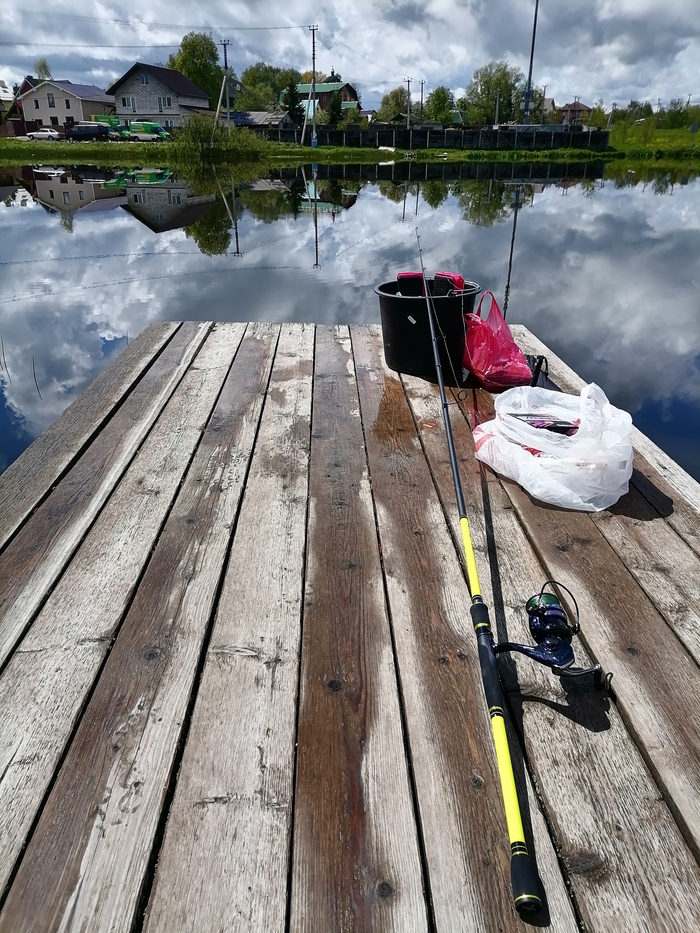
523 873
551 631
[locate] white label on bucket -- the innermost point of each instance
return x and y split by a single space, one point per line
411 319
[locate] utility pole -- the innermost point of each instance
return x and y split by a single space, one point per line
544 96
421 99
314 141
225 43
529 76
498 99
408 105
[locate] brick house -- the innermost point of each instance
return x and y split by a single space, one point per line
163 95
60 104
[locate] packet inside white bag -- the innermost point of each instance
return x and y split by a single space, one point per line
571 451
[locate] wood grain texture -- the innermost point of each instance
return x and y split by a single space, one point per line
224 859
45 685
40 552
449 733
356 860
86 865
597 791
30 478
672 491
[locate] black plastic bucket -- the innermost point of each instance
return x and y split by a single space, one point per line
408 346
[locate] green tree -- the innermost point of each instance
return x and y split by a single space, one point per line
497 79
648 129
351 116
394 102
258 97
291 101
198 59
598 115
42 70
438 105
212 233
307 76
675 116
269 76
335 109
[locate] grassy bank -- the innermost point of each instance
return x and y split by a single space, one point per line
637 143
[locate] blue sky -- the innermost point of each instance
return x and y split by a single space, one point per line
614 49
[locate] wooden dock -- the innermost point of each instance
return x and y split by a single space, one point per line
239 686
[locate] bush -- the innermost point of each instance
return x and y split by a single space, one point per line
200 140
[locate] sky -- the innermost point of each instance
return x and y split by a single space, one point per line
616 50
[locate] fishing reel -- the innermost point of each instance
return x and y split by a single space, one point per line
552 632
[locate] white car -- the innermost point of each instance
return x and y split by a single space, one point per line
44 132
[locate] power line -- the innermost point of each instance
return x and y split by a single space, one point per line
149 25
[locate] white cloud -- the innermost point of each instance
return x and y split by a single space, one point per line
615 49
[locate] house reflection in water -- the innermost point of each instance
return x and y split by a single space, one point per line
68 191
162 203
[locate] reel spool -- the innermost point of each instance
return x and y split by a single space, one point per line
552 633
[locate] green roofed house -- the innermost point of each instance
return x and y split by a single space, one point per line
324 89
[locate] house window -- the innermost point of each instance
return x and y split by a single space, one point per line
164 102
51 99
39 121
66 197
174 198
36 103
51 193
159 218
67 104
144 78
133 105
54 121
168 124
81 194
129 102
139 197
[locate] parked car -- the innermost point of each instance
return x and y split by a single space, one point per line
146 131
44 132
88 132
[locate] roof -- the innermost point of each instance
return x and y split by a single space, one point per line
325 87
170 77
82 91
577 105
257 117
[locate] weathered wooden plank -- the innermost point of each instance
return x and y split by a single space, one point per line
30 478
39 553
599 797
659 560
355 858
85 865
45 684
656 680
672 491
449 733
224 859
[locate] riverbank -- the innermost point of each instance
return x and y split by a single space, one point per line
677 148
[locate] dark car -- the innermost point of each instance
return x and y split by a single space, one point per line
92 132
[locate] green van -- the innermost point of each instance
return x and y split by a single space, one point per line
145 131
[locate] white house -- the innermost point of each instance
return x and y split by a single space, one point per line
61 103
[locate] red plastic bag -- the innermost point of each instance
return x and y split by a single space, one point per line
491 354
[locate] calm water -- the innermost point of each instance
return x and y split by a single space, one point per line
605 271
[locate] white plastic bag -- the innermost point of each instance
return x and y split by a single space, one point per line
588 470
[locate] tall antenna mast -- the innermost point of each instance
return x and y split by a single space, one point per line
314 141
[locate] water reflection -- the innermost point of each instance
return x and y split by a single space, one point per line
601 263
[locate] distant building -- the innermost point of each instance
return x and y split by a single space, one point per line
324 89
60 104
575 113
270 119
161 95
